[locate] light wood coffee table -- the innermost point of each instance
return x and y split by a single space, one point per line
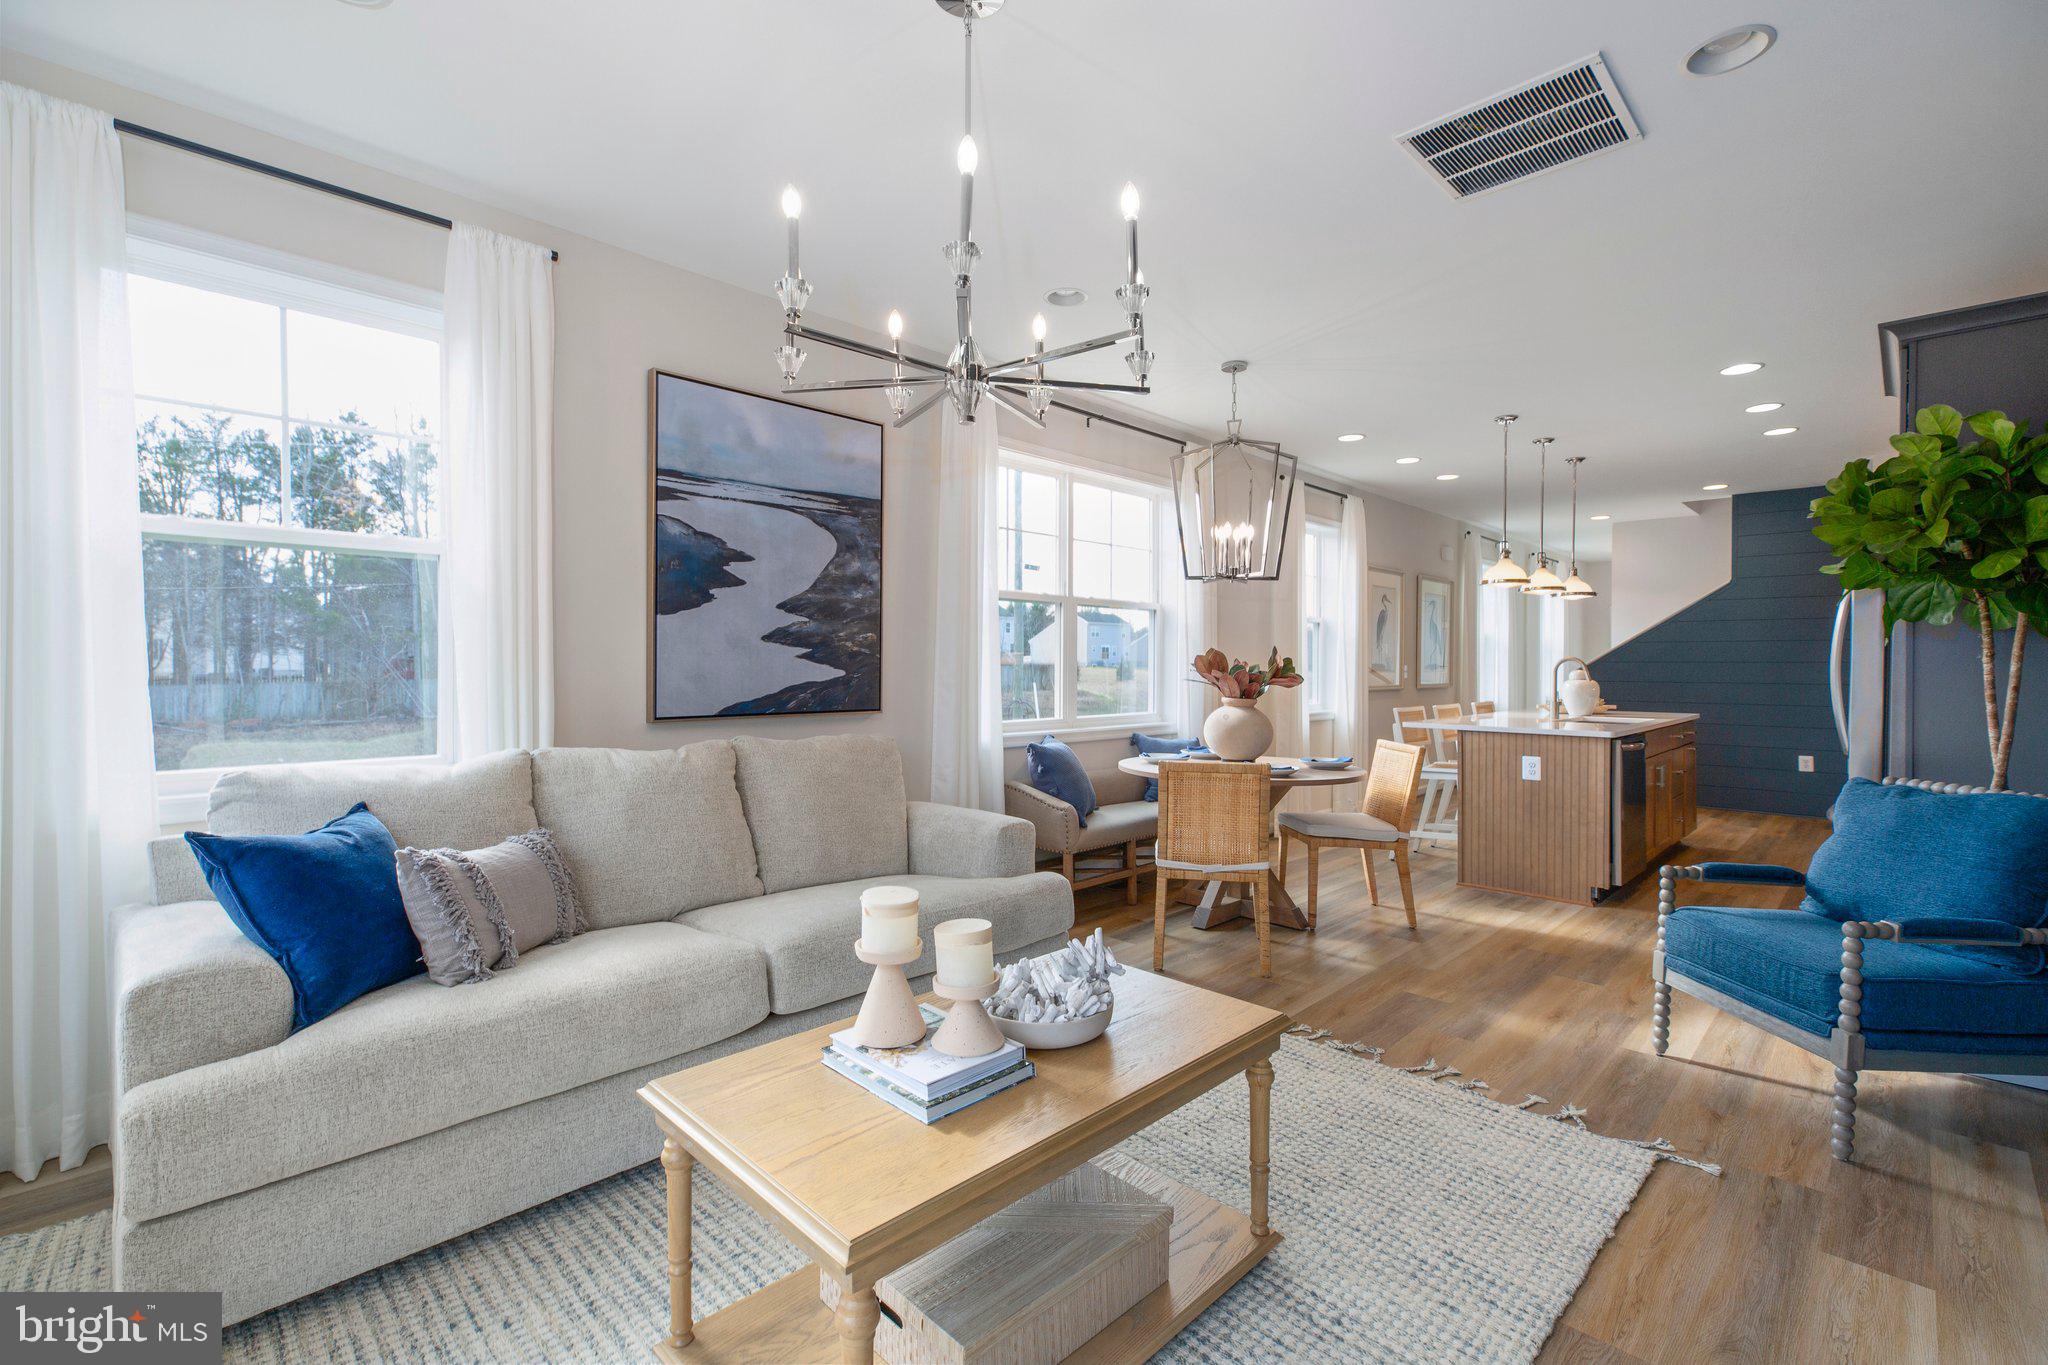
865 1189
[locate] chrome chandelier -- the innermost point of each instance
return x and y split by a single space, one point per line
1019 386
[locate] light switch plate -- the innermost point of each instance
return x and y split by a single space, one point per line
1532 768
1806 763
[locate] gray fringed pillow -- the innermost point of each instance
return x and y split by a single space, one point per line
475 912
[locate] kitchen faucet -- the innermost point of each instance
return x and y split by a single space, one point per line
1556 698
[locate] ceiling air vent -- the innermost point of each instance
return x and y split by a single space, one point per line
1572 113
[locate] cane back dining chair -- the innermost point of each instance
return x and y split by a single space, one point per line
1390 801
1918 945
1212 828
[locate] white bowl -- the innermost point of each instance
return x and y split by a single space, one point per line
1065 1033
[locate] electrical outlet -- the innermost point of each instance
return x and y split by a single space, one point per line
1806 763
1532 768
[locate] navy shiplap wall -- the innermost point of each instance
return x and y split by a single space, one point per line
1752 659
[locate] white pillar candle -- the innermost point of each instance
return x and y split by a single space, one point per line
888 919
967 952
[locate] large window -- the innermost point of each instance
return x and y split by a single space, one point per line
1079 602
287 450
1321 623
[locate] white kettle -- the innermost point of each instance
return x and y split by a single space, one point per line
1580 694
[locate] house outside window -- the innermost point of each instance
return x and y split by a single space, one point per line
288 462
1079 606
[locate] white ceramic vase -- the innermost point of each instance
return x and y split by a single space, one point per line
1580 694
1238 730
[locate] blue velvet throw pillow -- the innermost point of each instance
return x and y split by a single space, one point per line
1904 853
1146 746
1056 770
325 905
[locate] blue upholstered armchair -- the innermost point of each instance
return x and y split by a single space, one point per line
1919 945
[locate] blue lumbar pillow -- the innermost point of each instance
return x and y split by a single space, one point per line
1056 770
325 905
1905 853
1147 746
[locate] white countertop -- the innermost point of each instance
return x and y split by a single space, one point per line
1617 725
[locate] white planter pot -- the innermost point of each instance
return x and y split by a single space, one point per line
1238 730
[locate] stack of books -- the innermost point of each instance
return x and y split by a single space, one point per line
922 1081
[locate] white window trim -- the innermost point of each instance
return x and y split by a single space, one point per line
1318 529
1067 726
203 260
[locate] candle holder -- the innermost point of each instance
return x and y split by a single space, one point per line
889 1016
968 1031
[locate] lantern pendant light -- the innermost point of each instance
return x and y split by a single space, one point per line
1576 589
1504 572
1543 579
1232 500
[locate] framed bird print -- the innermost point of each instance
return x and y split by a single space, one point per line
1383 594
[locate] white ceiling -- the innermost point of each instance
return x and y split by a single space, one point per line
1884 160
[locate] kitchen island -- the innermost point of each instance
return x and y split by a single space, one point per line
1573 810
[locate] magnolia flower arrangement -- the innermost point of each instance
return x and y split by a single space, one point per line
1238 680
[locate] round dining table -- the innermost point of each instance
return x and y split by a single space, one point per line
1215 904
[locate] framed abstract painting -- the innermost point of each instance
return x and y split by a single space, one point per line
764 555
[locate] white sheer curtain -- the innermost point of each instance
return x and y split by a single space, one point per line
498 359
1465 652
1502 642
76 798
967 720
1286 707
1354 694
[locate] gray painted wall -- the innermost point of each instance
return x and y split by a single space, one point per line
1752 659
1937 689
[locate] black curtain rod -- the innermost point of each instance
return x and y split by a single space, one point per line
290 177
1094 416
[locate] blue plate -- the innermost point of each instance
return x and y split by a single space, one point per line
1344 762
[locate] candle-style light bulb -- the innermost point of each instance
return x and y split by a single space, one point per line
895 325
967 158
1129 202
792 203
1038 327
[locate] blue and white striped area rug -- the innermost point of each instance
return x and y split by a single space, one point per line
1423 1220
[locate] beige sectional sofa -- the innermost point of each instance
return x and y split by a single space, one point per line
720 883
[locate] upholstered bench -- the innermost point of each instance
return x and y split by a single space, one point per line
1122 822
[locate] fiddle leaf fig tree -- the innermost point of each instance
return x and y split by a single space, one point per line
1942 527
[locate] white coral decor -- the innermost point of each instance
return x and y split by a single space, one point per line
1072 983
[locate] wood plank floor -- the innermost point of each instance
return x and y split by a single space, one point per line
1932 1247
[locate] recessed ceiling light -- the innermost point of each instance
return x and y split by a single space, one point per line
1352 436
1725 52
1781 431
1763 407
1599 516
1743 367
1409 459
366 4
1066 296
1445 478
1712 487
